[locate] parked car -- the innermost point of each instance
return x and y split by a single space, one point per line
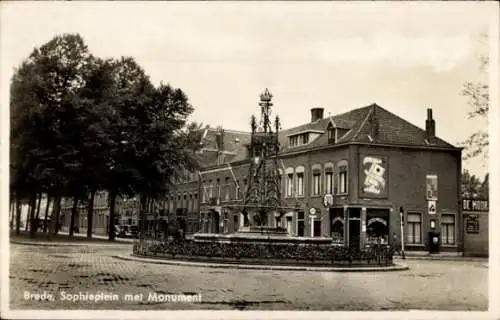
125 232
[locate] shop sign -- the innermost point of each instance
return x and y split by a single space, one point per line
372 220
431 182
328 200
431 206
472 224
476 205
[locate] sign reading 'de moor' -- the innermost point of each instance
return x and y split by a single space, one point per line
475 205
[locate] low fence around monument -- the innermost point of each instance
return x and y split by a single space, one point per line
295 254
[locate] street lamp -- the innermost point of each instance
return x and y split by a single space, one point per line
401 215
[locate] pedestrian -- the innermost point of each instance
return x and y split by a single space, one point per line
395 243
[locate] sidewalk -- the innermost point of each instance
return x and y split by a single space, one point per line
165 261
63 239
445 256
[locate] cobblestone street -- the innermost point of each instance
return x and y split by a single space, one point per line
432 285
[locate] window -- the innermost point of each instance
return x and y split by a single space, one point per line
448 229
210 189
342 180
244 188
414 228
237 190
195 203
316 183
305 138
300 224
294 141
226 190
289 185
329 185
300 184
235 223
217 190
280 180
332 134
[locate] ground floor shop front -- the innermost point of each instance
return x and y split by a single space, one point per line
352 225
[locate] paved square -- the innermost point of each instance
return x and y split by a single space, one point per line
431 285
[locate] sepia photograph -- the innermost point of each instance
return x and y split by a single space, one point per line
242 160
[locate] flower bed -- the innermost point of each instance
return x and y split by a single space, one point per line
265 253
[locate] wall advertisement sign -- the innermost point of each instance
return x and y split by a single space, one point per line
431 183
472 224
374 176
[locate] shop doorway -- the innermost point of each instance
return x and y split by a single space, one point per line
354 227
289 225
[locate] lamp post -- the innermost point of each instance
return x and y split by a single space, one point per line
312 215
401 215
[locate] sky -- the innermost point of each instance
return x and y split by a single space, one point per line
404 56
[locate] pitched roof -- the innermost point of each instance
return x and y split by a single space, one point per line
369 124
235 146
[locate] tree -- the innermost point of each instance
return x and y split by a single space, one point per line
470 185
44 113
484 189
478 94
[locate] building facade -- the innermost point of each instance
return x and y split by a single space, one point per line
476 227
100 220
356 177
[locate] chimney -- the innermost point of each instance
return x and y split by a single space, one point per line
430 125
316 114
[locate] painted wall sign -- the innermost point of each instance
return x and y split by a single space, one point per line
431 183
475 205
431 206
374 176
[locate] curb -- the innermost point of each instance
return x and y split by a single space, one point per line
397 267
442 258
62 244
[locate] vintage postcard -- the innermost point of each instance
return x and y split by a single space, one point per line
242 160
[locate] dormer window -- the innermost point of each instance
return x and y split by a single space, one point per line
299 139
332 134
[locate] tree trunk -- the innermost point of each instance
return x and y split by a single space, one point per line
28 214
18 214
111 225
54 219
32 221
46 214
37 218
12 213
142 209
73 215
90 215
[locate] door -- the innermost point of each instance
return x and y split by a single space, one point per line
317 228
434 239
354 230
289 225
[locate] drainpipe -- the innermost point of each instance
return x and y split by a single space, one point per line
401 215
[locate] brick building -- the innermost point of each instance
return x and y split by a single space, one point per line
100 220
361 171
